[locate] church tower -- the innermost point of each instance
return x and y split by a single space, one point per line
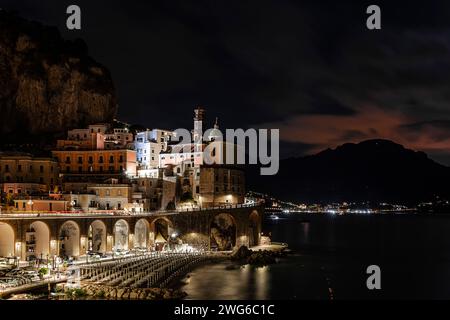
199 116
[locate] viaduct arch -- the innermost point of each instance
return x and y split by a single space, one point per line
49 235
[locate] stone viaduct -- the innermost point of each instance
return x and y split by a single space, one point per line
46 235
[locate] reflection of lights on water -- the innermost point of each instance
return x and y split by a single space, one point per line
261 280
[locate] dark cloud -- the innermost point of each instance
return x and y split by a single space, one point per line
437 131
255 63
352 134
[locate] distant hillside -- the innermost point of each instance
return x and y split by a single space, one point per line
374 170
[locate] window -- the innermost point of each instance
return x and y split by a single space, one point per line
111 169
67 169
107 192
100 169
80 169
80 160
100 160
119 193
7 168
41 169
41 180
197 189
19 168
111 159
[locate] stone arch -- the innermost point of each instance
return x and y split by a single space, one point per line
69 239
223 229
97 236
37 241
121 231
254 229
7 238
161 229
141 233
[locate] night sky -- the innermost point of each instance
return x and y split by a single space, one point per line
310 68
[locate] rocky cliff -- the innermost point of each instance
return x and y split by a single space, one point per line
48 84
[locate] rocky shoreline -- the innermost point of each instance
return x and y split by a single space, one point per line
91 291
257 258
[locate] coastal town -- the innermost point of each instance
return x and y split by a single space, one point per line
108 195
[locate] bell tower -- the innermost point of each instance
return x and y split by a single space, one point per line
199 115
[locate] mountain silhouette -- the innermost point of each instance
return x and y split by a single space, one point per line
373 170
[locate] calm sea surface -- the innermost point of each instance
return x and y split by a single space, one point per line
331 254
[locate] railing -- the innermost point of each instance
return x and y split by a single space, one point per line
228 206
117 212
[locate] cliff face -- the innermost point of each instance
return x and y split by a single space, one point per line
47 84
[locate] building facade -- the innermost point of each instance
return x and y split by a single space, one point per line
220 185
25 174
103 162
148 145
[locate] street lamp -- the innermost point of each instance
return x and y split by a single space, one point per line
30 203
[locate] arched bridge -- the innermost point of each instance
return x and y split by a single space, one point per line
44 235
